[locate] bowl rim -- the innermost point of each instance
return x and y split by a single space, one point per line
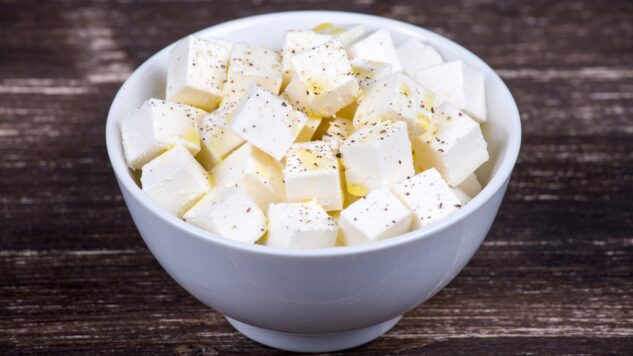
496 182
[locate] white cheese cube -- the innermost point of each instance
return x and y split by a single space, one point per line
309 129
300 100
428 195
297 97
396 97
297 42
217 137
415 55
470 185
197 71
230 213
300 225
467 189
338 131
459 84
368 72
350 35
175 180
255 172
268 122
378 216
348 198
454 145
322 79
461 196
346 35
377 155
252 65
155 127
377 47
312 172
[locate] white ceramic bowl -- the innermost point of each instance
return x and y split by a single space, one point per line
327 299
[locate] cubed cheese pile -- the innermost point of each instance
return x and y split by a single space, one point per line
341 137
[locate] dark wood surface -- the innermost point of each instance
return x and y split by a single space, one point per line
554 275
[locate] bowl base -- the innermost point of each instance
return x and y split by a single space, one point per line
313 342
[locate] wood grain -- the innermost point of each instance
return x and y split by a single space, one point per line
555 274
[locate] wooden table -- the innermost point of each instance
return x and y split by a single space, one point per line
554 275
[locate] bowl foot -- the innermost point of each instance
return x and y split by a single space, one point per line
313 342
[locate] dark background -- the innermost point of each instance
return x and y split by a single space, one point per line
554 275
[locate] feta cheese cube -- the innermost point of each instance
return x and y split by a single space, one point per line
454 145
348 198
230 213
299 99
350 35
312 172
378 216
470 185
346 35
255 172
467 189
268 122
459 84
197 71
415 55
338 131
300 225
397 97
252 65
155 127
428 195
460 195
377 155
377 47
175 180
297 42
368 72
309 129
322 79
217 137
